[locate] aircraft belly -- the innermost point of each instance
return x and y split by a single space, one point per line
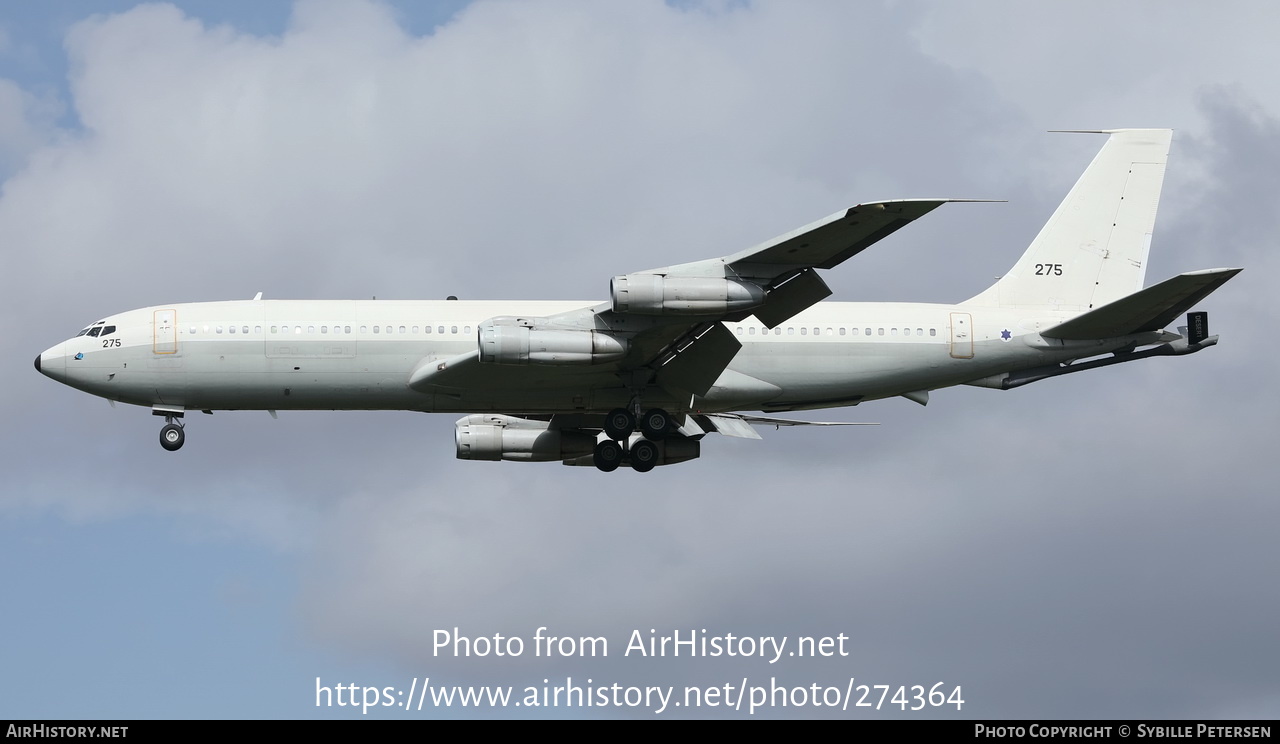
844 372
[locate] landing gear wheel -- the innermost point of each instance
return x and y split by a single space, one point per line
607 455
172 436
644 455
655 424
619 424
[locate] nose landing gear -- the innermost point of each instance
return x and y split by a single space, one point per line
172 435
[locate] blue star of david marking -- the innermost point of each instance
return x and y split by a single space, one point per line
1005 335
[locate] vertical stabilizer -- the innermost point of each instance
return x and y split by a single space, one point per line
1094 248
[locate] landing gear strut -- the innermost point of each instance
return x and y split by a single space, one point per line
171 436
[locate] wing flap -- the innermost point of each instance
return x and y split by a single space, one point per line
790 297
1147 309
695 365
740 425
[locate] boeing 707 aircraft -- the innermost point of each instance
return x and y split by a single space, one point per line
677 352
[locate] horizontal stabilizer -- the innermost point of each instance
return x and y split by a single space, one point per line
1149 309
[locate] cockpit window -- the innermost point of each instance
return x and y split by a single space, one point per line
108 330
94 331
81 333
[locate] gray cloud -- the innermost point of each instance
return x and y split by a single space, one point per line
1078 548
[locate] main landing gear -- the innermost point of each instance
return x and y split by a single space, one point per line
619 424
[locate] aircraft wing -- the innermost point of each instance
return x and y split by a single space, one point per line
786 267
670 319
831 240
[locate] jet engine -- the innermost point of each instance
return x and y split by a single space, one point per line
655 294
520 341
497 437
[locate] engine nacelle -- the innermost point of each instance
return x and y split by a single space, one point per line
496 437
678 449
520 341
655 294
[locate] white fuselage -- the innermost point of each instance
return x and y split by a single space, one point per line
359 355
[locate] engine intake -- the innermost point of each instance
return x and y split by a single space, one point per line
520 341
497 437
655 294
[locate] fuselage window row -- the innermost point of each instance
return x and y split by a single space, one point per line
805 331
299 330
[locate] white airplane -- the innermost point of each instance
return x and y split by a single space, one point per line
675 352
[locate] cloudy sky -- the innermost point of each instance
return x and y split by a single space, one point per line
1098 546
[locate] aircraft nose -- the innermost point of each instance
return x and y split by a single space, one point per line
53 362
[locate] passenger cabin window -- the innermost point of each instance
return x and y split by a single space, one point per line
232 329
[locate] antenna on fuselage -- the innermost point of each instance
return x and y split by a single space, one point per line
257 297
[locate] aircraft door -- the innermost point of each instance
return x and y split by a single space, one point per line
961 336
165 327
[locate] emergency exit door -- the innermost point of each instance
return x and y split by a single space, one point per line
166 332
961 335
